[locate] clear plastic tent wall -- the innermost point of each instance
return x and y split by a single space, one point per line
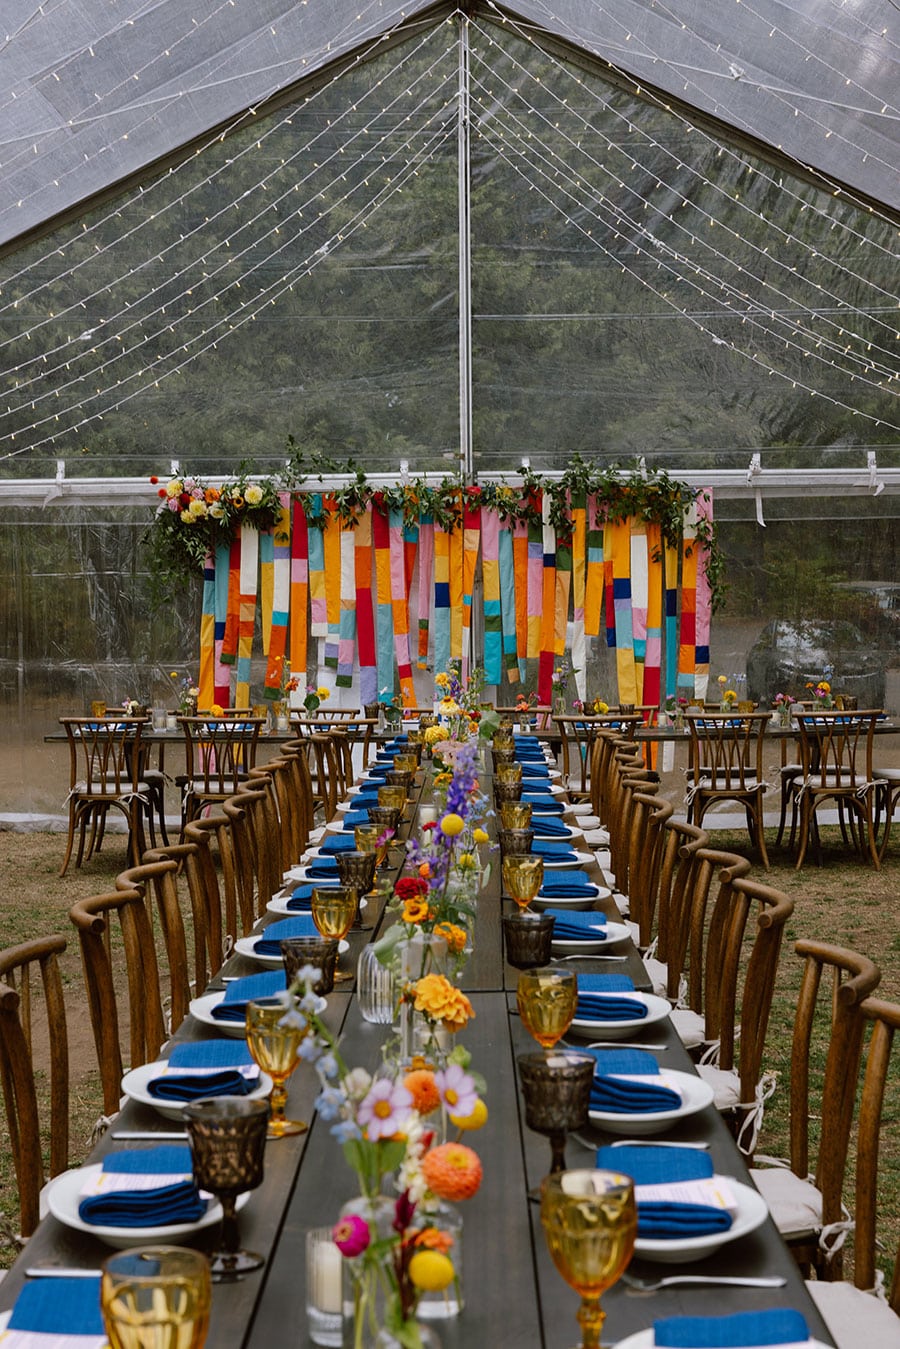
640 287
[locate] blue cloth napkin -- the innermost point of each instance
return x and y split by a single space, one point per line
335 843
233 1006
547 827
362 800
532 769
553 850
175 1202
322 868
577 925
354 817
778 1325
226 1056
600 999
544 805
269 942
301 897
610 1092
59 1306
665 1219
567 885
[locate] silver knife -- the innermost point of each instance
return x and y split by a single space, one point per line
147 1135
60 1272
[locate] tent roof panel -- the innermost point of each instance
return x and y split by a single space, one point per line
97 89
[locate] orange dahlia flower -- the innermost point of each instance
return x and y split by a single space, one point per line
452 1171
421 1085
453 935
442 1001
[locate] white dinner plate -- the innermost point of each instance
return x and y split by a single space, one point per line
301 873
752 1213
64 1194
202 1009
541 902
643 1339
695 1095
616 933
135 1083
244 947
657 1010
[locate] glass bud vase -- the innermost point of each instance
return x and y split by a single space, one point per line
423 954
438 1306
365 1287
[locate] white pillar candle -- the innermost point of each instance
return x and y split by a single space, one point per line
326 1289
427 815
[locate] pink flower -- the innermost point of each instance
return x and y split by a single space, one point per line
457 1089
384 1109
351 1235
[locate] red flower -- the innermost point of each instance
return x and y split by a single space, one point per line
161 492
410 887
154 479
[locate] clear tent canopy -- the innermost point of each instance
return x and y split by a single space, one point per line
451 242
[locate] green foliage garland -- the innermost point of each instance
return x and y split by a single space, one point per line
204 517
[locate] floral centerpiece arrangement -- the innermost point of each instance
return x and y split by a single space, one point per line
821 693
461 707
314 697
391 705
559 680
186 693
435 898
397 1247
591 707
782 703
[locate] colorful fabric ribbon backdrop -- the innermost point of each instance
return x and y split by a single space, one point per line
543 589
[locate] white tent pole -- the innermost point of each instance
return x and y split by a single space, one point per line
466 463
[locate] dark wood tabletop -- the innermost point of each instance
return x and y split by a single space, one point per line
513 1295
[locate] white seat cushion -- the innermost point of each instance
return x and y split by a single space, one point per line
689 1027
795 1204
658 973
725 1083
855 1318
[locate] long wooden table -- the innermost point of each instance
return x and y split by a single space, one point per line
513 1295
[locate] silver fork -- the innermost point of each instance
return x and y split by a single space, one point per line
558 960
738 1281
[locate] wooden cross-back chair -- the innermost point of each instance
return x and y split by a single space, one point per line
862 1312
218 899
836 765
146 1027
806 1201
21 968
219 753
726 764
105 762
328 788
278 776
159 876
649 815
257 799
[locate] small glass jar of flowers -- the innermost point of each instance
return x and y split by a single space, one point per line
400 1237
782 703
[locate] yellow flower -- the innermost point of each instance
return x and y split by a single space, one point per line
449 707
467 861
253 495
442 680
431 1271
434 734
174 488
217 510
823 686
217 711
453 935
600 707
416 910
197 509
187 518
452 824
440 1000
443 779
323 693
480 836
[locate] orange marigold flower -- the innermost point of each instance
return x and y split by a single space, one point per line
434 1240
211 494
416 911
425 869
421 1085
454 936
443 1001
452 1171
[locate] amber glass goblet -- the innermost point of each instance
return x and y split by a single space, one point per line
320 952
333 911
227 1135
406 763
515 814
503 754
274 1046
523 876
546 1000
390 795
156 1297
356 870
508 772
590 1222
507 791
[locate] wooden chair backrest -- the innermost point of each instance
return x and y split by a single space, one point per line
258 797
237 811
159 875
726 750
104 754
885 1019
219 752
19 965
649 815
748 1016
146 1025
327 774
677 862
836 749
853 978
